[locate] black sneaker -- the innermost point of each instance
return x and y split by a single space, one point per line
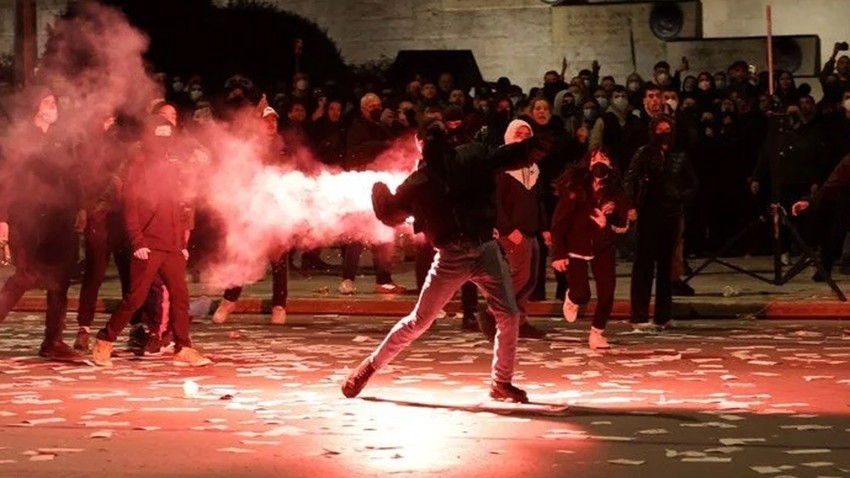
358 378
469 323
528 331
138 338
505 391
682 289
153 346
818 277
59 351
487 325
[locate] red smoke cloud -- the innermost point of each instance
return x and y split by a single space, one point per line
94 63
266 210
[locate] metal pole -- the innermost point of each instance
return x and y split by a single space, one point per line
26 41
770 49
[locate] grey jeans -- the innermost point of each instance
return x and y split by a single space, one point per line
486 267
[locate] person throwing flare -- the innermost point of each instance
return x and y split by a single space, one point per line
451 199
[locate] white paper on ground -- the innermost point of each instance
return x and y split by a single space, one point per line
625 461
808 451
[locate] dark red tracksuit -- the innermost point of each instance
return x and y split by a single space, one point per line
578 238
156 219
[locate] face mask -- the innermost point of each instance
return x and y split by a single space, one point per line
195 95
662 78
589 114
301 85
178 87
568 109
375 115
846 104
50 116
720 84
673 104
664 139
634 86
621 103
600 170
603 103
704 85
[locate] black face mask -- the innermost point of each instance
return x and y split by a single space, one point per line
600 170
664 139
567 109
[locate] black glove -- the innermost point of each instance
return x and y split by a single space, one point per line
380 194
381 197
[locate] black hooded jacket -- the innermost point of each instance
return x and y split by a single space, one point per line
451 194
659 183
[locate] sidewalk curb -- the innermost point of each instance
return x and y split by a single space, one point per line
723 309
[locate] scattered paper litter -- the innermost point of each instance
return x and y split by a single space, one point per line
101 434
56 451
45 457
360 339
818 464
740 441
707 459
235 450
766 470
625 461
43 421
808 451
654 431
803 428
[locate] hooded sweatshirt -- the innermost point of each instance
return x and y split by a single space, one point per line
519 201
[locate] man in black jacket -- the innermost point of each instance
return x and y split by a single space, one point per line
451 199
370 135
40 209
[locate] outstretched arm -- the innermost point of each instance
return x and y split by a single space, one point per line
393 209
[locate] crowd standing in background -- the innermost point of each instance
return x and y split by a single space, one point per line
652 170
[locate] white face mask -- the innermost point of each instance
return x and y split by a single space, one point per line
195 95
662 78
603 103
846 104
621 103
634 85
673 104
50 115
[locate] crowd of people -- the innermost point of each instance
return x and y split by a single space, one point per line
569 175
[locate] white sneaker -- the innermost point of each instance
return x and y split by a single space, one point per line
347 287
225 308
570 309
645 328
278 315
596 340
